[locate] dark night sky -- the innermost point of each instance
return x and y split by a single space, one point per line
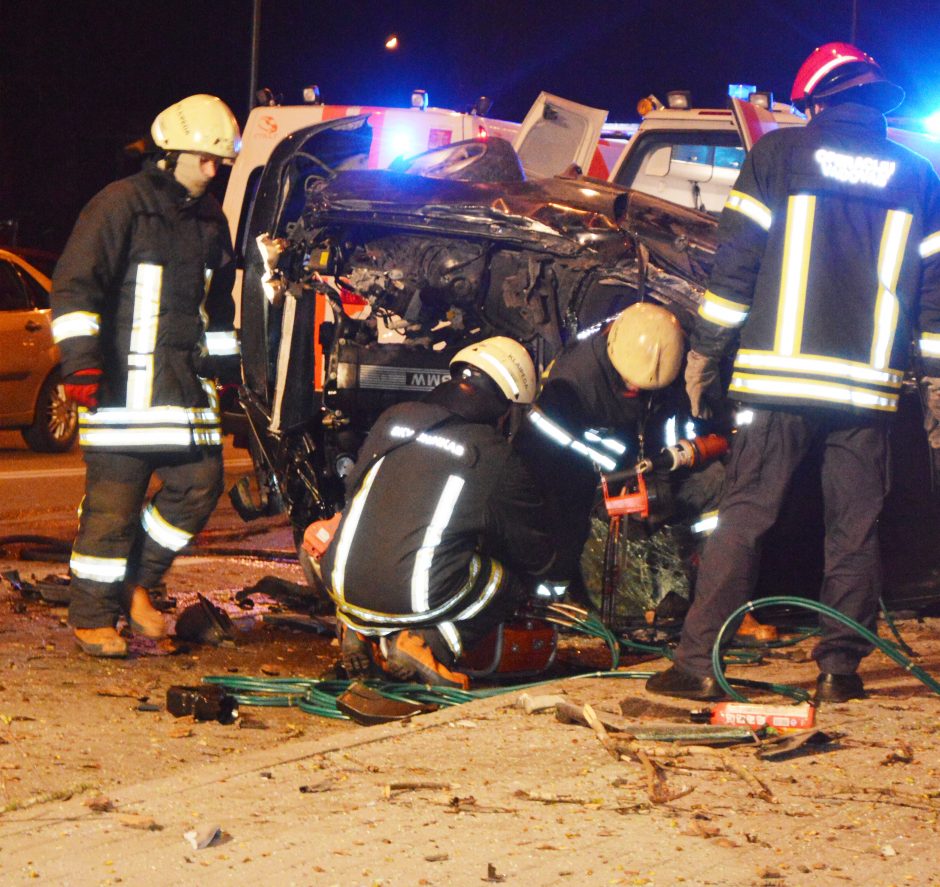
79 79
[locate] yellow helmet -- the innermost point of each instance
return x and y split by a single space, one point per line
201 124
645 344
506 362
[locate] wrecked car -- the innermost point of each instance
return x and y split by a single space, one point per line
359 285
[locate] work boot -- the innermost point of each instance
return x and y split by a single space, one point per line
838 688
143 617
355 651
411 659
752 630
103 642
675 681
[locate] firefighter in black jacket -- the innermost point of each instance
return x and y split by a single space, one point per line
828 265
442 524
601 400
130 298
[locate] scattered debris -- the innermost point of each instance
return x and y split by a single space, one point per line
208 702
397 788
324 785
205 623
139 821
203 836
532 704
491 875
776 747
903 754
437 857
366 705
99 804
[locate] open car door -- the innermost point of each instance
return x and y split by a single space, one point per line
752 121
556 133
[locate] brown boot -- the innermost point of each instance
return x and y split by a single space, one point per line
104 642
751 629
411 659
143 617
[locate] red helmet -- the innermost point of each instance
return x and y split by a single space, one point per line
837 67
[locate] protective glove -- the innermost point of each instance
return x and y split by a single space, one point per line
82 387
931 387
702 384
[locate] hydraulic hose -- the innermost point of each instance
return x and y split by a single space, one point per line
886 647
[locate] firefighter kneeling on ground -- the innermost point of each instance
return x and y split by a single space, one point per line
600 398
443 522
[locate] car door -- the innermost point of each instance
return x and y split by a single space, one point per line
556 133
25 344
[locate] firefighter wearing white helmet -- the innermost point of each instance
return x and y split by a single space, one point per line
444 523
601 399
142 316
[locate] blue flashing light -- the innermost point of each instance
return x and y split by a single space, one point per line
932 123
740 90
403 143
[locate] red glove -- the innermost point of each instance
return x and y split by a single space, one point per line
82 388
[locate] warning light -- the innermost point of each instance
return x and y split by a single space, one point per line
482 133
392 42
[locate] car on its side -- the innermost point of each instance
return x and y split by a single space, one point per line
32 397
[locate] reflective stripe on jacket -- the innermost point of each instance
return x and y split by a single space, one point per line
825 269
130 296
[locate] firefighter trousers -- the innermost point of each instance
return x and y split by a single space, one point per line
121 542
764 457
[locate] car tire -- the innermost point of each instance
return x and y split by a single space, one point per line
55 426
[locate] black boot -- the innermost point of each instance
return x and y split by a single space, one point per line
839 688
675 681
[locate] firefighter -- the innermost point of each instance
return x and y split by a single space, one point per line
600 398
442 525
148 262
828 264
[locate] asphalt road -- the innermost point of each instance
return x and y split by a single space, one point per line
39 493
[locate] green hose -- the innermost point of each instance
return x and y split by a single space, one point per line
886 647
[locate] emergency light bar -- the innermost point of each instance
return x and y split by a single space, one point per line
419 99
679 100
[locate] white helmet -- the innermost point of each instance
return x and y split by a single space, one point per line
201 124
646 344
506 362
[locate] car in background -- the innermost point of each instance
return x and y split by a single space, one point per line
32 397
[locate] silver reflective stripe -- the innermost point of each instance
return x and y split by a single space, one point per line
492 585
801 209
347 534
893 242
98 569
560 436
143 335
930 344
146 437
283 362
595 456
751 207
162 532
107 416
839 369
451 637
929 246
501 371
706 523
75 323
721 311
813 390
443 511
222 344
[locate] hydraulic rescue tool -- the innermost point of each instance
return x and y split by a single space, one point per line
644 498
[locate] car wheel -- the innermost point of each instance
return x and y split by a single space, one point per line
55 426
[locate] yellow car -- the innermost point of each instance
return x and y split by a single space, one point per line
32 397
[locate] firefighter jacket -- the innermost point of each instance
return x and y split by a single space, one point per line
828 264
129 297
431 491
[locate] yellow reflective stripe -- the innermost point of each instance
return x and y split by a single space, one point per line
75 323
854 371
930 344
162 531
930 245
801 209
399 619
222 344
143 334
108 416
348 531
149 437
812 389
890 256
443 512
451 637
492 585
722 311
98 569
751 207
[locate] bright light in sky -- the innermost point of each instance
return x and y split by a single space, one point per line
932 123
392 42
